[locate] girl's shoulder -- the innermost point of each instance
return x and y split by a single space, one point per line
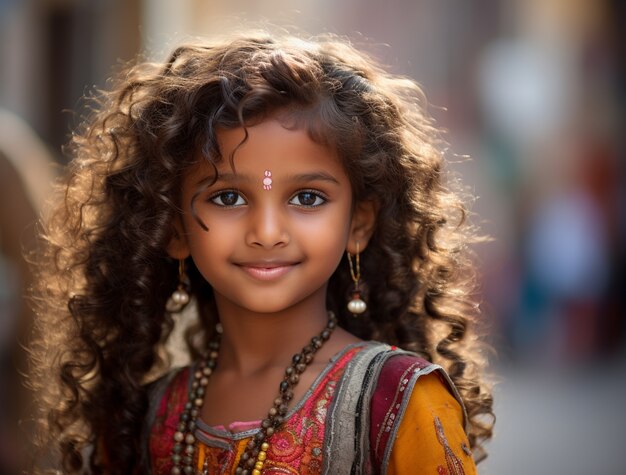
385 389
382 371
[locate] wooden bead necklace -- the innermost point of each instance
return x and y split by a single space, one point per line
253 458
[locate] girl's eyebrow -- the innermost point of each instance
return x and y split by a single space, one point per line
314 176
230 177
298 178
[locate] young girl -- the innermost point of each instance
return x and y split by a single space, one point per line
294 191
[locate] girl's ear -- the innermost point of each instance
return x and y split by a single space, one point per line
178 247
362 225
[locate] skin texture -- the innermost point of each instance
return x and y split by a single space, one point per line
268 255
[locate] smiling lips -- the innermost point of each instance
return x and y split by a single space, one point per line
267 270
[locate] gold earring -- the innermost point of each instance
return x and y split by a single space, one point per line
180 297
356 305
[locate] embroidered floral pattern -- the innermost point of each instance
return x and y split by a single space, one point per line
296 448
454 464
285 447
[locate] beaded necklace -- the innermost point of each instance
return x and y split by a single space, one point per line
253 458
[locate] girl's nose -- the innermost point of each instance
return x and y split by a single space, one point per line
268 228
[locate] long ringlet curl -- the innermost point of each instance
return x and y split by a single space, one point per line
104 273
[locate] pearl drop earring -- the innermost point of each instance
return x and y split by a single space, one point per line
180 297
356 305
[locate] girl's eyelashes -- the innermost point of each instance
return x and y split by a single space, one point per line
302 199
228 198
308 199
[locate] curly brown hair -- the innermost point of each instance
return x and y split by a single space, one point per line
104 270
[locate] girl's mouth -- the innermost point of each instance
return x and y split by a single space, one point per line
267 271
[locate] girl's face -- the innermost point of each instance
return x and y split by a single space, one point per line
277 226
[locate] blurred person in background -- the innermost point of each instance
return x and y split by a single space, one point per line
552 100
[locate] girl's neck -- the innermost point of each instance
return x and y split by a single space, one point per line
255 342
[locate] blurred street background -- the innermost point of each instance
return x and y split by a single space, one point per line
533 91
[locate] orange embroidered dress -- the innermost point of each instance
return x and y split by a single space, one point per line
374 409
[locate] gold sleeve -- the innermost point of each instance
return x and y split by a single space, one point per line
431 439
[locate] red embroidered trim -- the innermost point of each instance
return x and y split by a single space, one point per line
166 420
387 399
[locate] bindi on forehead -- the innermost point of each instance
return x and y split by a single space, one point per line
267 180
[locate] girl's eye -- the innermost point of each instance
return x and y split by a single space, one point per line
228 198
307 199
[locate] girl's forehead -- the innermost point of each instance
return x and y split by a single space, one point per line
270 149
272 144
